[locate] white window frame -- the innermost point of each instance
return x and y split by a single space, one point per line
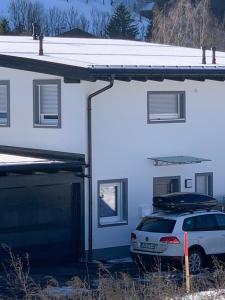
39 119
6 122
168 117
121 206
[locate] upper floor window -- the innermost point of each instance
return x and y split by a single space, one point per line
166 107
4 102
47 103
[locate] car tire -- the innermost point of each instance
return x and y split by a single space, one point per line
196 261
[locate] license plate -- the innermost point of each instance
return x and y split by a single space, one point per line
149 246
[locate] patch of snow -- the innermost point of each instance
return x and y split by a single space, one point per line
65 291
205 295
120 260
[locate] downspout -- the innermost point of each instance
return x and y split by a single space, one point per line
89 134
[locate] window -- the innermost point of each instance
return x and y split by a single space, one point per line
220 221
204 183
166 185
4 102
156 224
47 103
112 202
200 223
166 107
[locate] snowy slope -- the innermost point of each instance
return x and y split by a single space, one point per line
85 8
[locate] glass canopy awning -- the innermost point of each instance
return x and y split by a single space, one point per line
177 160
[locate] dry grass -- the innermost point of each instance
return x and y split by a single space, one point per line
153 285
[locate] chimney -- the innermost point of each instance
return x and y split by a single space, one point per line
204 55
213 55
41 52
35 28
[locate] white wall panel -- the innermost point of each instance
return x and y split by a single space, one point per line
123 141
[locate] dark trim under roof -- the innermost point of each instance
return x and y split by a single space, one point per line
73 74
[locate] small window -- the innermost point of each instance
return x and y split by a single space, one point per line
188 224
220 221
4 103
159 225
200 223
47 103
166 107
112 201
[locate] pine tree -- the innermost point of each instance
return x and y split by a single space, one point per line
122 25
4 26
148 34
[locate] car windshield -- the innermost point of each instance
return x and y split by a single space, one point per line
156 224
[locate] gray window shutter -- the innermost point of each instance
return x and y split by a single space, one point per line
49 99
163 104
3 98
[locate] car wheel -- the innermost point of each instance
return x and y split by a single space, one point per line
195 261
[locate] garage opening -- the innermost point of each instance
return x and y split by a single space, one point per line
42 207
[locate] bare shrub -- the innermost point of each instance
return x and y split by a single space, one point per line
99 22
18 281
72 18
83 23
56 21
23 13
111 286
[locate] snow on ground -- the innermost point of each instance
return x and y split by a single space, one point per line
66 291
120 260
209 295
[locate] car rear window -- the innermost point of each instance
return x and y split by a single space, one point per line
156 224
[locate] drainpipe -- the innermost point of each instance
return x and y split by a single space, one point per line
89 133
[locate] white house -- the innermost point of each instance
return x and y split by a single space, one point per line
92 129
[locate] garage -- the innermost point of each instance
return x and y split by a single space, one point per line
41 204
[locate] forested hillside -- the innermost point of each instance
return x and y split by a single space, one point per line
217 6
57 16
189 23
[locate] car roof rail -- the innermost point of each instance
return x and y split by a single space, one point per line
198 211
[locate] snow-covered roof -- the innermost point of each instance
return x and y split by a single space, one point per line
105 54
97 52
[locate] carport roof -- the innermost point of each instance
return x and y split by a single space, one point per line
30 160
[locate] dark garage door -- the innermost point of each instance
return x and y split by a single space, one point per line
42 220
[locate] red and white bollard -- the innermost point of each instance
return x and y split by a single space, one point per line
187 271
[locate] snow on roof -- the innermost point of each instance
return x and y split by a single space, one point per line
88 53
18 159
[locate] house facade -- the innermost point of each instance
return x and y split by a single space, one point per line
146 119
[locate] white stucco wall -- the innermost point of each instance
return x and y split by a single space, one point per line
122 139
71 137
122 142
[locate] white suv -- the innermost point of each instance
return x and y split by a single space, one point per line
161 236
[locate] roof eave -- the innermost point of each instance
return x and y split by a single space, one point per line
74 74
